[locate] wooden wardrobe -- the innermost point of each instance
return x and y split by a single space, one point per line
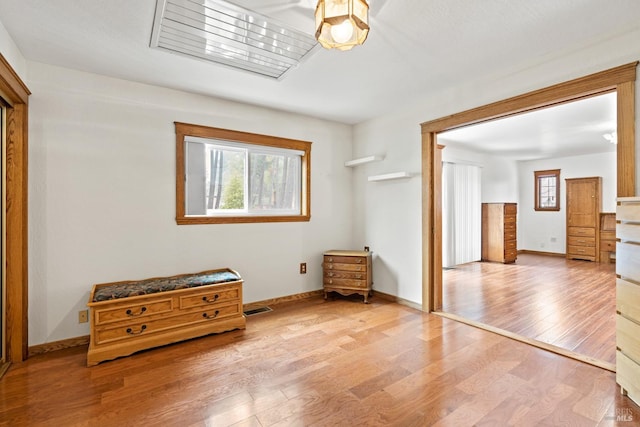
499 241
584 203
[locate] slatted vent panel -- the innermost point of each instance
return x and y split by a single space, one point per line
258 310
221 32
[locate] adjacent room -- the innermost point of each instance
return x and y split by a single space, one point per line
236 213
567 301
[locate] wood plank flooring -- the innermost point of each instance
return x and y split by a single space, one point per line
566 303
320 363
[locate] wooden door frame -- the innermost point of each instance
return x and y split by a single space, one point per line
620 80
16 94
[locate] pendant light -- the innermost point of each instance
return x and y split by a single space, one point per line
342 24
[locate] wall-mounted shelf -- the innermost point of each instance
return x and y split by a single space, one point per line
390 176
363 160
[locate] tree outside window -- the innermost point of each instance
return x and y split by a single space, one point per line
547 190
227 176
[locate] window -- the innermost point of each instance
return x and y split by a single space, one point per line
225 176
547 190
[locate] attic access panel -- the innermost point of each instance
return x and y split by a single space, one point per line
221 32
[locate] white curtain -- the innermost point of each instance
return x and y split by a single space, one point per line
461 214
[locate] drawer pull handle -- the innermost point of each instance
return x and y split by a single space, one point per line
142 328
330 274
330 259
330 282
131 313
206 316
358 276
359 260
214 299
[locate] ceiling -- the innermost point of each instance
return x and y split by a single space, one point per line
415 48
570 129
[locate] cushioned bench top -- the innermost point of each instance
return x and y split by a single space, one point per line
162 284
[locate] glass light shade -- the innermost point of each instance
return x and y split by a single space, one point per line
342 24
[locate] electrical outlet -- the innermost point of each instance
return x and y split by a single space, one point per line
303 268
83 316
366 248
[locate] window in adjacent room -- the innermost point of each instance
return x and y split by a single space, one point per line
226 176
547 190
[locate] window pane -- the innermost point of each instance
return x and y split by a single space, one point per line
225 176
547 191
225 182
274 182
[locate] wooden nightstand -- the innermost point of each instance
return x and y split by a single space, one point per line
347 272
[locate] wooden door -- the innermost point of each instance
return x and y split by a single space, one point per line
583 201
583 218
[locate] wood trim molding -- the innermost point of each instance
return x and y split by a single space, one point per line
282 300
428 223
16 94
13 90
552 254
58 345
186 129
593 84
397 300
539 344
626 150
619 79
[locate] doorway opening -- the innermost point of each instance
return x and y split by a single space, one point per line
532 289
620 80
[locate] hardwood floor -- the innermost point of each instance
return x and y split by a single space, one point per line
320 363
566 303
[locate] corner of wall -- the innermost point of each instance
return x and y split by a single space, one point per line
11 52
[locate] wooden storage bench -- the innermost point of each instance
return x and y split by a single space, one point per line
130 316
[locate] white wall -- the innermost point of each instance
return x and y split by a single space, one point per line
546 231
388 216
102 196
11 52
102 192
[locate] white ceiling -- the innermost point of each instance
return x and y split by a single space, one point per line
560 131
415 47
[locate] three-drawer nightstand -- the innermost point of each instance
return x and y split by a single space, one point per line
347 272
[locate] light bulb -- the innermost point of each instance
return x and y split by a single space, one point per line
343 32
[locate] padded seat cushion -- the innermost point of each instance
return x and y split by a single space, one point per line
161 284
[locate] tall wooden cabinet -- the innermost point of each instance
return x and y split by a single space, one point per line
584 203
499 242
